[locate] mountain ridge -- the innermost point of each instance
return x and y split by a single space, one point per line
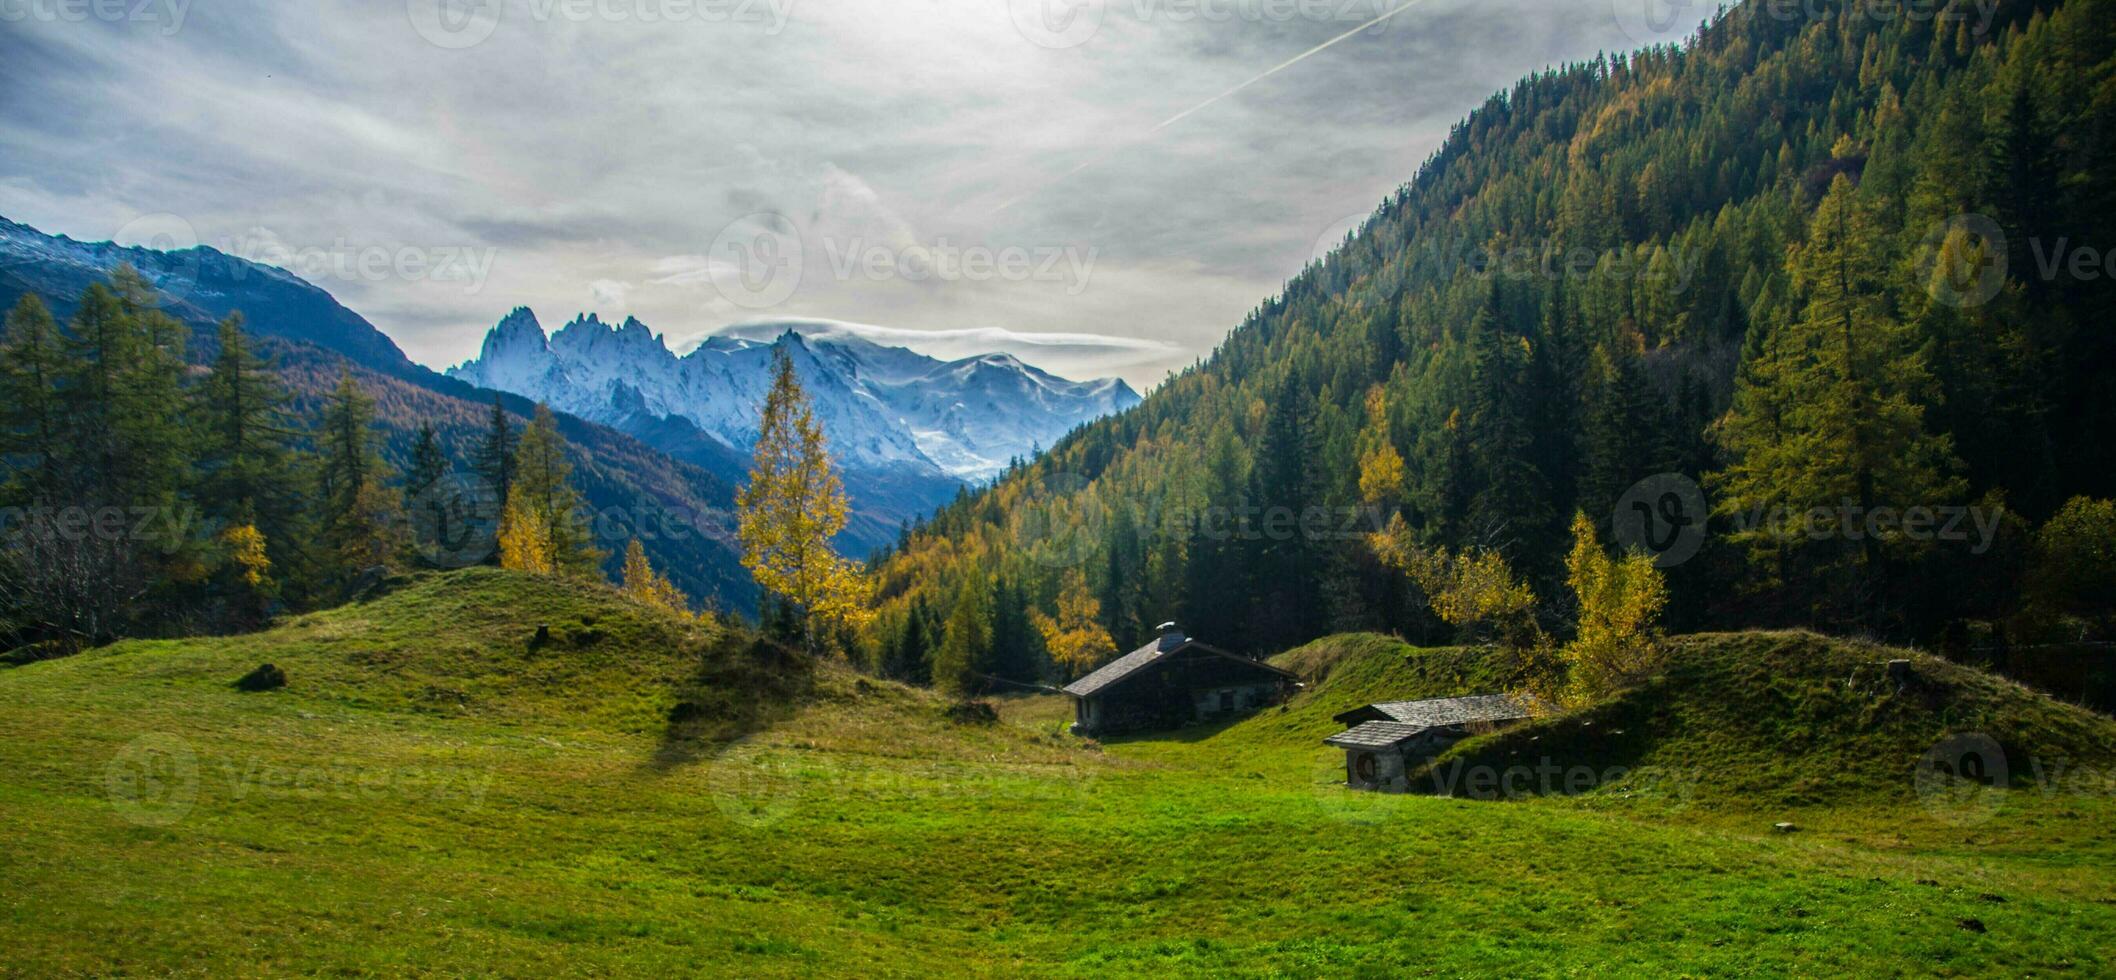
884 408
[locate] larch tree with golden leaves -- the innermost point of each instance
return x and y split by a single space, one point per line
541 529
1832 410
1619 642
789 510
1075 636
523 545
1473 590
1382 479
646 585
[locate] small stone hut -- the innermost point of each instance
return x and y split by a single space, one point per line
1389 738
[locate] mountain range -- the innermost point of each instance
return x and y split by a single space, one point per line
883 408
651 433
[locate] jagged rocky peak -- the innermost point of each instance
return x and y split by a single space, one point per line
881 407
589 332
518 329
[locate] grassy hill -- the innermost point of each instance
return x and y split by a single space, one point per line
434 793
1738 720
1795 718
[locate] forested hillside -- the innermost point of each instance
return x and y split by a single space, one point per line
1849 261
673 495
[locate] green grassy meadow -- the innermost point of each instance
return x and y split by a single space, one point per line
435 793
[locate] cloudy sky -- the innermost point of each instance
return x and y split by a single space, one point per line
1132 175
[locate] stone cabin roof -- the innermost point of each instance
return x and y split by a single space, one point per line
1374 735
1441 712
1115 672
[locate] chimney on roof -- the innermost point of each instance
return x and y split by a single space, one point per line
1172 636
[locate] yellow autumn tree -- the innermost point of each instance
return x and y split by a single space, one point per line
1619 641
788 511
1381 474
246 549
1474 590
1381 470
543 504
1075 636
646 585
252 567
524 545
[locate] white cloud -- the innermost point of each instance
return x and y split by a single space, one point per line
1072 355
609 293
616 151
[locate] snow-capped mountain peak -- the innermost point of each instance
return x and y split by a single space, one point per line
881 407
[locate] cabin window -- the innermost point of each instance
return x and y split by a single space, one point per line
1363 766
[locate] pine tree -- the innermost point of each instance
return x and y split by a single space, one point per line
494 459
1123 574
1831 410
909 659
429 462
95 398
246 473
440 518
1282 561
2026 166
1016 646
360 521
1215 567
964 657
789 510
543 499
1509 509
245 457
32 426
156 430
1621 431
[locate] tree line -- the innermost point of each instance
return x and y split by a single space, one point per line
144 494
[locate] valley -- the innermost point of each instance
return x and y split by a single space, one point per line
1668 531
